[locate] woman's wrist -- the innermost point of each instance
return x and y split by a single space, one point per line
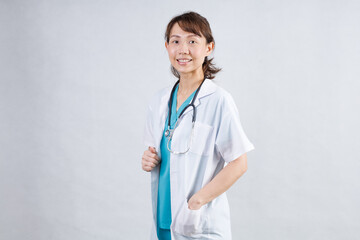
197 200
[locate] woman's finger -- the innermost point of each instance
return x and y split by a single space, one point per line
151 160
155 156
150 154
147 166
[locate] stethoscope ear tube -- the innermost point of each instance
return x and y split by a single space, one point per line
170 104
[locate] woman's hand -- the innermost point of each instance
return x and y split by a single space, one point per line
150 159
195 202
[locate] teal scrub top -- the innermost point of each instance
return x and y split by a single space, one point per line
164 202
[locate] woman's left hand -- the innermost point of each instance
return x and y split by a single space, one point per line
195 202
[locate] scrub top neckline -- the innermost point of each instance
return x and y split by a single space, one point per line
183 104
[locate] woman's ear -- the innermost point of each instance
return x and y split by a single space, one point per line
209 48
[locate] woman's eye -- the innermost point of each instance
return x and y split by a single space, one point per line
175 41
192 41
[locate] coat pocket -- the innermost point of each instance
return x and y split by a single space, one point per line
189 222
202 139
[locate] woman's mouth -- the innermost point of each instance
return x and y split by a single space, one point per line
183 61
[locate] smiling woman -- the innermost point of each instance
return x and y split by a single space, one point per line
190 33
181 43
196 126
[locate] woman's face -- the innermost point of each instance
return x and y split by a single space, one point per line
187 51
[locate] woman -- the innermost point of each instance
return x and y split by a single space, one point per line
188 177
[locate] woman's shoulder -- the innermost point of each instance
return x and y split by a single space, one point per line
223 99
221 94
156 97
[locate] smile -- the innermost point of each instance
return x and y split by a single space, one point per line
183 61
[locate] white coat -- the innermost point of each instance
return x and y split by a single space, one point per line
218 139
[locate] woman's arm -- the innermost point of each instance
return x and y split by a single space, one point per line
220 183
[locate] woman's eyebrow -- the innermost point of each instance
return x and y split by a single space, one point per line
190 35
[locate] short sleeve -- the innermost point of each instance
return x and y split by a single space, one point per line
231 140
148 136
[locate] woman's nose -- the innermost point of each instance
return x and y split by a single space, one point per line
184 48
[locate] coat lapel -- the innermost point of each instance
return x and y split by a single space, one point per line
206 89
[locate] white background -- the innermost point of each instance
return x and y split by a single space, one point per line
75 79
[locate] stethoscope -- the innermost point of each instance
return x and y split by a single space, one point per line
169 132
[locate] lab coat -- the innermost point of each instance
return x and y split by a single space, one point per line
218 139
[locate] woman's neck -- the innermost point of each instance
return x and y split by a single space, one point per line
188 85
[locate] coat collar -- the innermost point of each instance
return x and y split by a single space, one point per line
207 88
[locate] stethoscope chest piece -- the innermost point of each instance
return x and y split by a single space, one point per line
169 133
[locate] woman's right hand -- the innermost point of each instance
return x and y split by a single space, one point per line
150 159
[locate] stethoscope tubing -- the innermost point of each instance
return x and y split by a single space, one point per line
191 104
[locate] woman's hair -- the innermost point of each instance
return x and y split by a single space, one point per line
197 24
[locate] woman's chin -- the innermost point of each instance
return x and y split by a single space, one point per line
185 70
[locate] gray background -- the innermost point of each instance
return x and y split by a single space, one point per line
75 78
